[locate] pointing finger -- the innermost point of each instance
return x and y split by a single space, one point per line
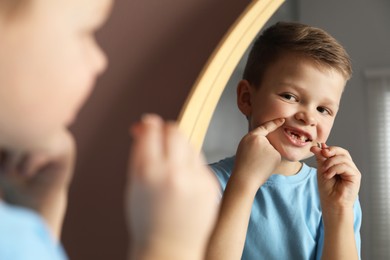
269 127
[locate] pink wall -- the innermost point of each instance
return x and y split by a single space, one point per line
156 50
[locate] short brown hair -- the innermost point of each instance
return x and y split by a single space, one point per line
299 38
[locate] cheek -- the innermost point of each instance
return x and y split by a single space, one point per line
74 94
71 82
323 129
270 111
55 97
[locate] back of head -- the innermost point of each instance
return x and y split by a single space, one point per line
308 41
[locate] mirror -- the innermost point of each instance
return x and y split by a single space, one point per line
367 41
227 117
195 116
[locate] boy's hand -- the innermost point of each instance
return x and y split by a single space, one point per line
256 158
255 161
172 197
39 179
338 179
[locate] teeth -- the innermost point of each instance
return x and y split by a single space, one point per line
294 135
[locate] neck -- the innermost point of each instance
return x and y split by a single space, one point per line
288 168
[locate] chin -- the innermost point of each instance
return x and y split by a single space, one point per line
294 156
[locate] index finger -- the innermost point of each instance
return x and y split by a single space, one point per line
269 127
335 151
147 147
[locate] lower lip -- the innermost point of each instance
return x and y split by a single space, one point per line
295 141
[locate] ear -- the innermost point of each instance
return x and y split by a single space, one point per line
244 97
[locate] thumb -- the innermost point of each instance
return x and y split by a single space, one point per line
318 154
269 127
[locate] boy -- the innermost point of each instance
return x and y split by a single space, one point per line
49 61
274 206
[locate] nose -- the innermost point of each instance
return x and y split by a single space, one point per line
306 117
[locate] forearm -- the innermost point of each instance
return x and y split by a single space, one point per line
228 238
339 240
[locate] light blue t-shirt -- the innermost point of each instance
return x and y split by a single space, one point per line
25 236
286 218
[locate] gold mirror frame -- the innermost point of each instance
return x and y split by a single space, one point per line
195 116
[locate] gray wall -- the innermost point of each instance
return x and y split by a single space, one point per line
363 28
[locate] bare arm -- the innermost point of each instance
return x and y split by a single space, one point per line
338 183
228 239
339 240
255 161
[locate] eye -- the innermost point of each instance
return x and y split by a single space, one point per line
289 97
324 110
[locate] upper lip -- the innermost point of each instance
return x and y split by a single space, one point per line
299 131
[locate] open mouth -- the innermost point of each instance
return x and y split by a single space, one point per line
298 136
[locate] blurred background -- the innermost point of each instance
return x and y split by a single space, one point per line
156 49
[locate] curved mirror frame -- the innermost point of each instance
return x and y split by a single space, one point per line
199 107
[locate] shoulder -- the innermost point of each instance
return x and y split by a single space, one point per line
309 172
223 169
225 165
24 235
18 218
